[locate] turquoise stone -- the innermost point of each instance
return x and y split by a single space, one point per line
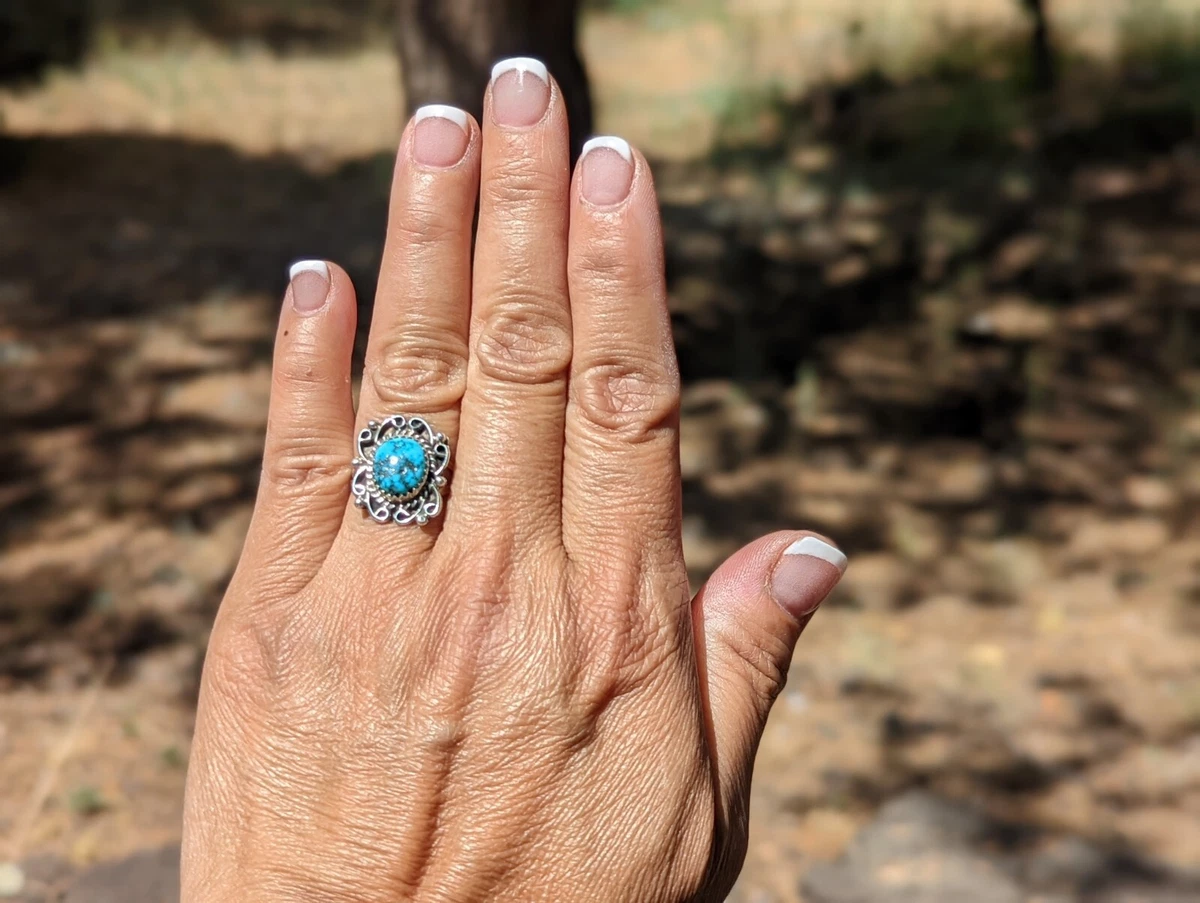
401 467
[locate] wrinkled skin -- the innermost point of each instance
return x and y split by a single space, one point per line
520 701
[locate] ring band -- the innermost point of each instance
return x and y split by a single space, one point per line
400 470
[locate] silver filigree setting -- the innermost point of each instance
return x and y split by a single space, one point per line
424 505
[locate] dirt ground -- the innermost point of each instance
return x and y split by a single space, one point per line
949 323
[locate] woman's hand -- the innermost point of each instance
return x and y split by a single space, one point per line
518 701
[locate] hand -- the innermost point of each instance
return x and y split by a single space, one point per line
519 701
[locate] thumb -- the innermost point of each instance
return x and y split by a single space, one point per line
747 620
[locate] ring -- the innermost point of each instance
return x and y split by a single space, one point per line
400 470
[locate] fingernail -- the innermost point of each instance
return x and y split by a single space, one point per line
440 135
310 285
807 572
606 170
520 91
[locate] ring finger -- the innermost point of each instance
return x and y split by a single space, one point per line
416 361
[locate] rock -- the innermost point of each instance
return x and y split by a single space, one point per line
1166 835
847 270
878 582
819 241
1068 473
863 233
1188 430
12 879
825 833
1148 493
1071 429
802 202
1098 313
164 350
721 425
740 184
825 425
836 480
1070 806
701 550
1147 894
1052 749
859 200
1131 538
222 318
39 879
1017 255
1151 774
947 475
1064 863
697 245
1013 319
236 399
947 232
44 573
812 157
779 244
187 456
200 491
832 515
914 534
1009 568
1097 183
919 850
148 877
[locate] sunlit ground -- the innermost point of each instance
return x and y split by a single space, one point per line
665 73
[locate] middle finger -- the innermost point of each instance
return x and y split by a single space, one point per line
509 475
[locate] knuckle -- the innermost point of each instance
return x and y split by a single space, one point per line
630 644
297 465
609 265
477 579
273 669
425 224
762 662
633 399
519 185
476 604
651 646
525 340
255 656
427 372
302 364
241 659
298 372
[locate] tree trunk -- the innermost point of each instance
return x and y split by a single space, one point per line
447 48
1044 74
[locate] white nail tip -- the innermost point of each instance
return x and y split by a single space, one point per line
308 266
814 548
522 65
620 145
441 111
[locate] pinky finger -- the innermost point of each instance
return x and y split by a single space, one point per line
306 463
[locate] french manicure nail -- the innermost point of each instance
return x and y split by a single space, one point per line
310 285
606 170
440 135
520 91
807 572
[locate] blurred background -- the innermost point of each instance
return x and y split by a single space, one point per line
935 278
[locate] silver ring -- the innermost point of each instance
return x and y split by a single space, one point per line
400 470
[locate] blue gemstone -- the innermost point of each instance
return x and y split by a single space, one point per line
401 467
